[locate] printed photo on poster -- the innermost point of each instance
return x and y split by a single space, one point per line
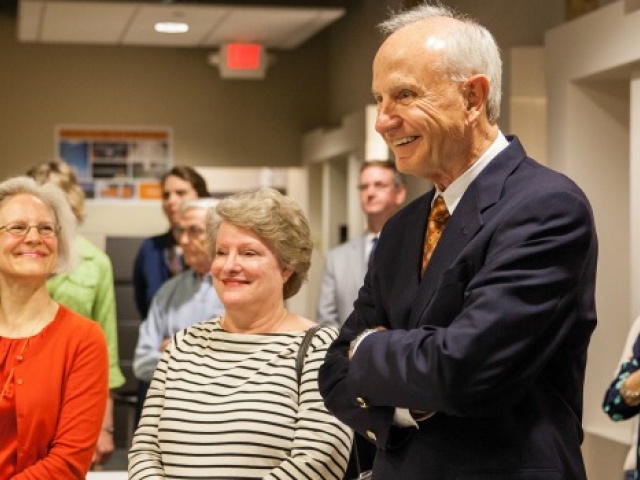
123 163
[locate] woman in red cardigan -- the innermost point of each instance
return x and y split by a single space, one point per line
53 362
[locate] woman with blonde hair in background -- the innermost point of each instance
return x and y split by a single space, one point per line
88 289
225 400
53 362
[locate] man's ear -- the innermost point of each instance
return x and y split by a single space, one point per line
476 93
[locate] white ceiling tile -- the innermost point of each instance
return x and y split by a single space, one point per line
200 19
131 23
273 27
85 22
320 20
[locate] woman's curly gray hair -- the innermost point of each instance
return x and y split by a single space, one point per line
277 220
55 199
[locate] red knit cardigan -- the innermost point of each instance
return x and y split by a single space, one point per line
61 390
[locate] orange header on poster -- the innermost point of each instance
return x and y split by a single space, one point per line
67 133
149 191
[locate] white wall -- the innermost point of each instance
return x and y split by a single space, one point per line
528 102
589 64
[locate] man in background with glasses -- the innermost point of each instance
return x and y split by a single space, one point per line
183 300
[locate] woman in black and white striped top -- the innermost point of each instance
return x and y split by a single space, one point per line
225 402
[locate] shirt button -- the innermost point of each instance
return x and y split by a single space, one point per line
19 381
362 402
19 358
371 435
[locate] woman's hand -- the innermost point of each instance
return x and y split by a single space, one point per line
104 448
630 389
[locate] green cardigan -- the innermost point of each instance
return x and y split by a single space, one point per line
88 290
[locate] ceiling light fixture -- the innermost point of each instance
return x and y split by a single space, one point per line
171 27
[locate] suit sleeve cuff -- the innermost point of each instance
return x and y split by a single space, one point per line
358 340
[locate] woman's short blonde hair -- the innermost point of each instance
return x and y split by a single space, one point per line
54 198
277 220
62 176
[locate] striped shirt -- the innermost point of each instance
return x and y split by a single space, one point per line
225 405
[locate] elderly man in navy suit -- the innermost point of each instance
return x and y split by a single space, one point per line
464 356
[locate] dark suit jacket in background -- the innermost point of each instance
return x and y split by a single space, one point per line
493 338
150 269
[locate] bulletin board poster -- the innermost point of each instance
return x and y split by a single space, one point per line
117 163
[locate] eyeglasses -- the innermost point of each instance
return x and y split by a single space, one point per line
376 186
21 229
192 231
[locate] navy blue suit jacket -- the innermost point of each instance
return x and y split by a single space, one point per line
150 269
493 338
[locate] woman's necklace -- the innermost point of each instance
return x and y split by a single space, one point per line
19 358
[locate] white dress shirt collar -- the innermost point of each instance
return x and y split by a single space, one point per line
368 244
455 191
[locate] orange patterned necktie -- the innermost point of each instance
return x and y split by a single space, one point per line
437 220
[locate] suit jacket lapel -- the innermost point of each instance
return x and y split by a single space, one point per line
465 222
461 227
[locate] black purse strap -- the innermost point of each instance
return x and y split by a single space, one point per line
302 352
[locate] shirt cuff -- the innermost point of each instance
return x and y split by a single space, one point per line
402 417
358 340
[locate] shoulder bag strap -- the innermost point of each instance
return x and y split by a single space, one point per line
302 352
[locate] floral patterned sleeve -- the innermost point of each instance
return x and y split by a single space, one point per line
613 404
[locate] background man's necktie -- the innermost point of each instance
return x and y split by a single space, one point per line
374 242
437 220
